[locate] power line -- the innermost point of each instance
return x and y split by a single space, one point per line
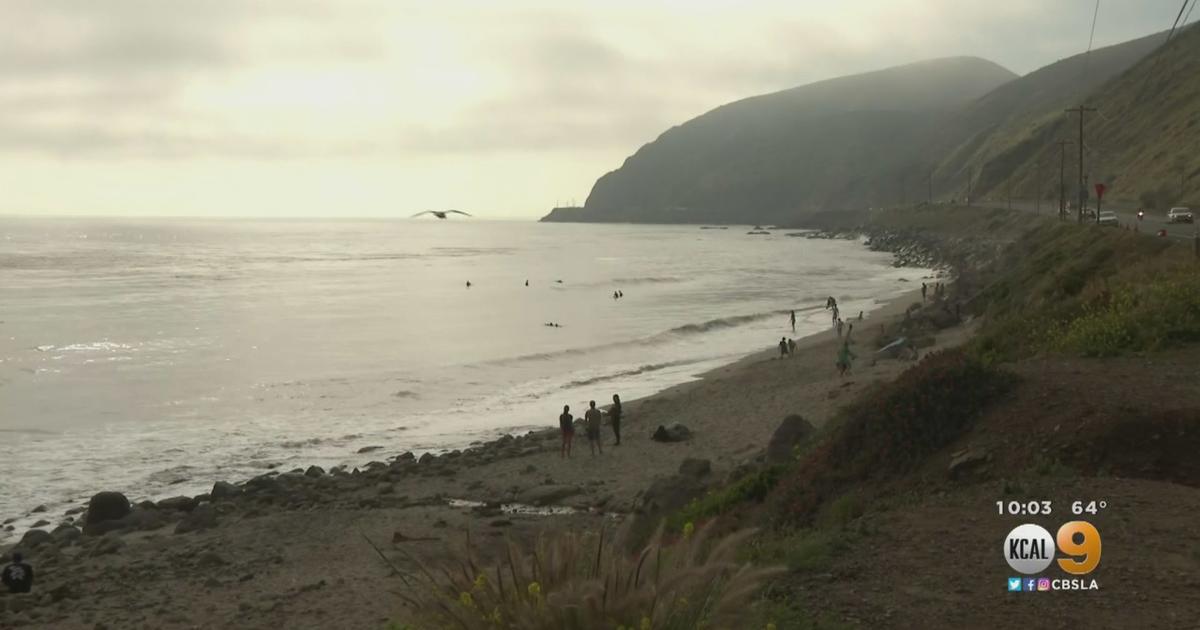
1179 15
1188 16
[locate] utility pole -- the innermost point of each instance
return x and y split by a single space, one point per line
1081 110
1062 182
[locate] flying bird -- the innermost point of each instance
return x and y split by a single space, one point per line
441 214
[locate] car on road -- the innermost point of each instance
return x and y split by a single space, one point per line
1108 218
1179 215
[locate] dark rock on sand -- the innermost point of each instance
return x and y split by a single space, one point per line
39 509
791 432
106 506
314 471
177 504
34 538
546 495
225 490
695 468
368 449
674 432
964 461
66 533
41 523
203 517
107 545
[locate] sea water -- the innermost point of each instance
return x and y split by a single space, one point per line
157 356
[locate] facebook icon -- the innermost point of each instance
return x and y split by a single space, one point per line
1031 585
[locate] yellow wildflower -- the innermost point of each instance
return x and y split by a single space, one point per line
466 600
535 589
645 623
480 581
688 528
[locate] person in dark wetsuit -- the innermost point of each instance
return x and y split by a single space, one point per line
18 576
566 424
468 284
783 347
614 416
793 321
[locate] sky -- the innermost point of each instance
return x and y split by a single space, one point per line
383 108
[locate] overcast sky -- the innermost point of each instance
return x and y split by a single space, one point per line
386 107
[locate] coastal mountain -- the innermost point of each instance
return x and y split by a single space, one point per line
761 159
941 128
1140 141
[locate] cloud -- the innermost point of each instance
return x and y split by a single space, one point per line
193 82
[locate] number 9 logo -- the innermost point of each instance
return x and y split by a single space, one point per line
1088 547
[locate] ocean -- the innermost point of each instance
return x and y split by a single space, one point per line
157 356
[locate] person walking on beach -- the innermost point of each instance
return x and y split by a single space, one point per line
783 347
840 324
18 576
791 347
924 288
844 358
566 424
614 416
592 422
793 321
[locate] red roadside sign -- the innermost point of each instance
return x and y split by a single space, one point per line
1100 188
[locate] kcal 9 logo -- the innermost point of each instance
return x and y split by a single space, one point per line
1029 548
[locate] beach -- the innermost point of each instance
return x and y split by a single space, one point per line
292 549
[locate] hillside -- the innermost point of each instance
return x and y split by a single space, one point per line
984 136
1141 142
887 137
765 157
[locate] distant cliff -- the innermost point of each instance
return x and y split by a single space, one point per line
828 144
897 135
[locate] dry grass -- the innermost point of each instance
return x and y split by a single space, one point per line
583 582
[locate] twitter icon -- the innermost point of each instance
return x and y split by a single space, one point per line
1014 585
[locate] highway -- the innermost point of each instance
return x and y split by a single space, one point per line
1126 212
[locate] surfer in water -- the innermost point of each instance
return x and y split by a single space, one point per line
793 321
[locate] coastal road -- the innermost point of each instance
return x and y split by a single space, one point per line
1126 213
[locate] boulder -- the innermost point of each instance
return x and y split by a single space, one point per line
791 432
34 538
695 468
314 471
41 523
546 495
66 533
106 506
368 449
177 504
674 432
224 490
107 545
201 518
427 458
964 461
39 509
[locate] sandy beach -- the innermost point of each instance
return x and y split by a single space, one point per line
289 549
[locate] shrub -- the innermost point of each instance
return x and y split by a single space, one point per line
892 429
753 487
1147 315
579 582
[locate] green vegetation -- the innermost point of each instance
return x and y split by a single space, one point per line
580 582
891 430
752 488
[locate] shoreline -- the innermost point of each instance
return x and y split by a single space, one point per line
14 526
287 547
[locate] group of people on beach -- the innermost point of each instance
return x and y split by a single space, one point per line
939 291
845 357
592 419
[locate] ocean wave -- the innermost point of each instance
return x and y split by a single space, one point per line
667 336
653 367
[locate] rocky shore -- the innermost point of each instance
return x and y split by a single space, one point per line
295 547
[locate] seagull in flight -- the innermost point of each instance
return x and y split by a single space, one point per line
441 214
